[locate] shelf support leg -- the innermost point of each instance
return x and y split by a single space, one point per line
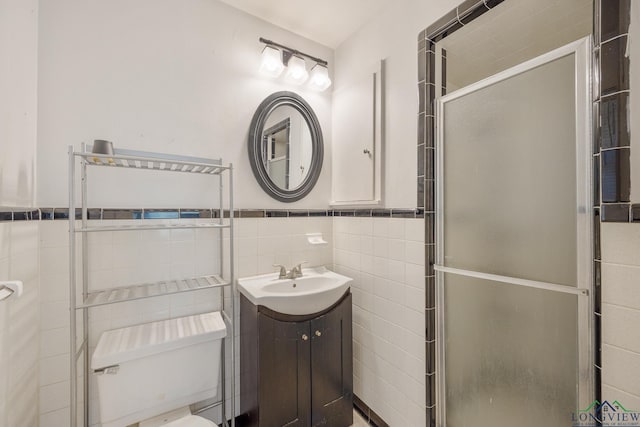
73 404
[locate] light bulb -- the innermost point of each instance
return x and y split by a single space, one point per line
272 65
319 78
296 70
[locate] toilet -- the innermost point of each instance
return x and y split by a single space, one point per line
150 373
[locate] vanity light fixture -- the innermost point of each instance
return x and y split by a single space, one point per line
296 70
319 78
271 65
275 57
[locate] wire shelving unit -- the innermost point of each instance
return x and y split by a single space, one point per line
80 225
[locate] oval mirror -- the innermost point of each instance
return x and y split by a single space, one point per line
285 146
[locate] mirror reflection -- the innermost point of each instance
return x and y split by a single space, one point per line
286 147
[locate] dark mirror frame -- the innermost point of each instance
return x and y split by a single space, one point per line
256 129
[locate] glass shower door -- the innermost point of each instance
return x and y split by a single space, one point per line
514 246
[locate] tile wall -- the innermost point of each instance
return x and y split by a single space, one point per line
122 258
386 258
383 250
621 314
427 92
19 326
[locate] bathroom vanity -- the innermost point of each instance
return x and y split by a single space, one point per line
296 370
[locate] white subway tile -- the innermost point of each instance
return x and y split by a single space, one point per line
413 320
620 285
414 229
366 226
179 234
621 368
413 366
366 245
54 369
611 394
207 234
54 315
396 249
265 263
104 238
100 257
54 342
54 396
54 234
381 227
129 238
620 327
414 298
380 266
396 271
247 265
247 246
24 237
414 252
366 263
53 261
620 242
57 418
396 228
247 227
273 227
381 247
26 267
414 275
353 243
340 225
182 252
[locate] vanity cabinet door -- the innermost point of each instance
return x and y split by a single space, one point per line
332 367
284 373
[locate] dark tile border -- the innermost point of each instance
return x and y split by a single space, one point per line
467 11
367 413
7 214
612 143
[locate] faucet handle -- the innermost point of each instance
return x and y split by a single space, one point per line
298 268
283 270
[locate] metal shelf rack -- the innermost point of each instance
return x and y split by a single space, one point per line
129 159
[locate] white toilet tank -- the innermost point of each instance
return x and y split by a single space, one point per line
148 369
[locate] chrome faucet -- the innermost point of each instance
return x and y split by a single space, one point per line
294 273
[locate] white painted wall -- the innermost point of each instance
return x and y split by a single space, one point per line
19 317
392 35
18 90
621 313
159 75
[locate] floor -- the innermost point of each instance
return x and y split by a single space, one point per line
358 421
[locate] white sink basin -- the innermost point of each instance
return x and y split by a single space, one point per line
317 290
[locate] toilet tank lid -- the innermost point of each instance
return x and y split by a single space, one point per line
134 342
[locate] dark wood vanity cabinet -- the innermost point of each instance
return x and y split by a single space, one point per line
296 371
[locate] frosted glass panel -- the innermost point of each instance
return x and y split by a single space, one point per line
511 355
510 176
